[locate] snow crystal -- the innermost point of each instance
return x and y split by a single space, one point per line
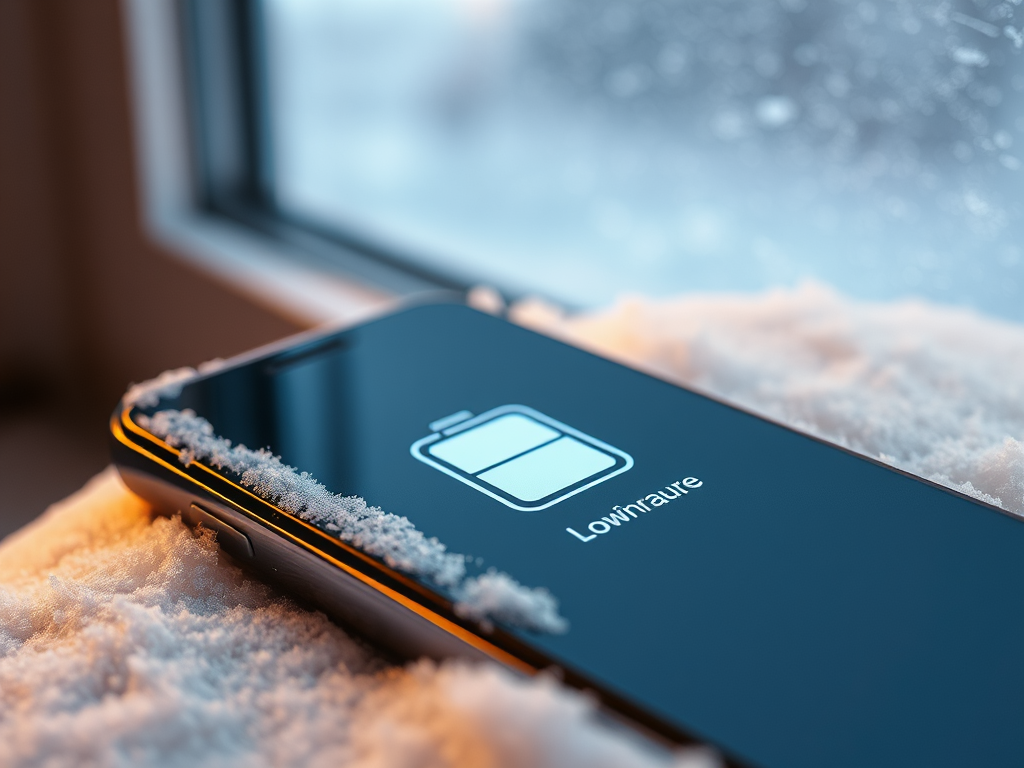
497 596
390 537
776 111
970 57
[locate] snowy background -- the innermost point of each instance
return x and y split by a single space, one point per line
579 148
126 642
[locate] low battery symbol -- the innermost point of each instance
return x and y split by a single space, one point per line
519 456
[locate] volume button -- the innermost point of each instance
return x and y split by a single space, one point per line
231 540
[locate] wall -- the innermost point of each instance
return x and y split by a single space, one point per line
34 343
87 302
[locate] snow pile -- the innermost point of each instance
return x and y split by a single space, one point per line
127 642
391 537
130 642
933 390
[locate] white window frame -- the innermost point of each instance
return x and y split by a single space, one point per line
273 273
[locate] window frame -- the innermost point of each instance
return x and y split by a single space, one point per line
204 150
201 98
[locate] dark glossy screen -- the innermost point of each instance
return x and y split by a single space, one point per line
801 607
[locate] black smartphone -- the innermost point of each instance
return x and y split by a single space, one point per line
448 483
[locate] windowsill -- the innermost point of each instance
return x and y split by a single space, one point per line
264 271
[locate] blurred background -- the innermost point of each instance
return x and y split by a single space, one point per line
185 179
580 148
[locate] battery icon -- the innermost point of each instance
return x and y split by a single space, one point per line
519 456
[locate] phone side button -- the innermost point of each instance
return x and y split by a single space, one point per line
231 540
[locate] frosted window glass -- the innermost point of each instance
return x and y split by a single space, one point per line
583 148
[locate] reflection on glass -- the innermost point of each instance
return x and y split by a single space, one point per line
582 148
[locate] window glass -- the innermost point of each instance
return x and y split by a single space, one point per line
585 148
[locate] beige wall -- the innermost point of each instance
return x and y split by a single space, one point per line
33 321
87 302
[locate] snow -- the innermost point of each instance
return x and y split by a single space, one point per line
126 641
970 57
149 393
991 30
168 384
497 596
936 391
776 111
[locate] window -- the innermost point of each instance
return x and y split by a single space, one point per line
583 148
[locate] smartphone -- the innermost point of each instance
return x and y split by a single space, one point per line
709 574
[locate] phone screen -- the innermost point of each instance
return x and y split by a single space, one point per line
794 603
